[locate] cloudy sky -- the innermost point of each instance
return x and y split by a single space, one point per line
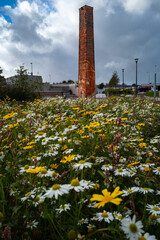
46 32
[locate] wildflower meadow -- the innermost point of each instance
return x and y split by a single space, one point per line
80 169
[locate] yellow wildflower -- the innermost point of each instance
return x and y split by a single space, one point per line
141 145
141 124
35 170
107 197
9 115
28 147
68 158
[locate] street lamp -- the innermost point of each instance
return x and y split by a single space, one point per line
155 82
136 59
31 69
123 77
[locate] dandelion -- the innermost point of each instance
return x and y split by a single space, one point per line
107 197
131 228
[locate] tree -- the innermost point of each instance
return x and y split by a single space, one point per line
114 80
2 85
23 86
101 86
70 81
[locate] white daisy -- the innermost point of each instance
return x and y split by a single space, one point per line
56 190
121 172
158 192
117 215
82 164
107 167
146 236
157 170
129 191
99 160
38 199
77 185
83 221
106 216
131 228
63 208
153 209
28 195
32 224
87 184
146 190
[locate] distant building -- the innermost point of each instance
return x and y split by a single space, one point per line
59 89
32 79
46 90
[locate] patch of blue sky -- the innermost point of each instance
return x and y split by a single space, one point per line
11 3
3 12
50 5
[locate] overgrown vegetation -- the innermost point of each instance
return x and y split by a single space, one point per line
80 169
21 86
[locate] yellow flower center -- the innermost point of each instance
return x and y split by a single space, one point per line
27 194
36 199
156 208
146 188
153 217
133 228
75 182
81 162
56 187
104 214
62 207
54 174
158 169
43 171
129 190
26 167
120 170
142 238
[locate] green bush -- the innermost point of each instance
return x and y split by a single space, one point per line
112 91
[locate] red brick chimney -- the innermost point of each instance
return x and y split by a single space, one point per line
86 75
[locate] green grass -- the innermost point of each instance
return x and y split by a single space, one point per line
151 94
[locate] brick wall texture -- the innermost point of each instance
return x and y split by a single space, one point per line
86 72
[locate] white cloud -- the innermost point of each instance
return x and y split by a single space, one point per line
45 32
111 64
136 6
